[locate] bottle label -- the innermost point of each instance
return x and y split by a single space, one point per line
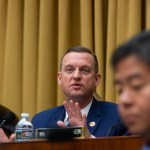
24 134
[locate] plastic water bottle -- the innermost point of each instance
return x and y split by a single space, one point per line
24 128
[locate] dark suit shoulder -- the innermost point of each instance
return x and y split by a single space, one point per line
107 103
110 105
47 117
105 107
48 112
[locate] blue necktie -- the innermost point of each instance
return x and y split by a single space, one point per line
67 122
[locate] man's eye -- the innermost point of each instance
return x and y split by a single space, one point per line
119 91
69 70
85 70
137 87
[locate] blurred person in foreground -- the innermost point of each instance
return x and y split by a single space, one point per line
131 63
78 77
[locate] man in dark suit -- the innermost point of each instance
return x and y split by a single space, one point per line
131 62
78 77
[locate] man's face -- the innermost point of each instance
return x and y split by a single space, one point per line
77 77
133 86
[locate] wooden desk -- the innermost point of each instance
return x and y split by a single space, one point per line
108 143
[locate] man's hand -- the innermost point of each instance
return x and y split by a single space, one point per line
76 118
4 138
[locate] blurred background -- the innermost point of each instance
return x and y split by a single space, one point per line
34 34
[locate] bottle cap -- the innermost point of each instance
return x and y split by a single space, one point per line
24 115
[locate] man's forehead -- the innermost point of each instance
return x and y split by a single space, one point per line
73 57
129 78
132 71
77 54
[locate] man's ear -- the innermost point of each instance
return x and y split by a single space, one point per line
98 79
59 78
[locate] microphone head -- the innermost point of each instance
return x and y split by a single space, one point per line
8 117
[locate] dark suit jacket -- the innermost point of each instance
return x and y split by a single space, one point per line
104 114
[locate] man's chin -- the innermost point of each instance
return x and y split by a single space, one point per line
76 97
136 130
76 93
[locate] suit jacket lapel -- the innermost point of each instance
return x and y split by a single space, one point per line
60 115
94 116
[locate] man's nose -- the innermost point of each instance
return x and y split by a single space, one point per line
126 97
77 73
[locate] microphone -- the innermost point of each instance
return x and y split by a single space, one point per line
8 117
113 127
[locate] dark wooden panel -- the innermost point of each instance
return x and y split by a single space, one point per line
108 143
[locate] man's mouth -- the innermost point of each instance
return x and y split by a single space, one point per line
76 85
129 119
